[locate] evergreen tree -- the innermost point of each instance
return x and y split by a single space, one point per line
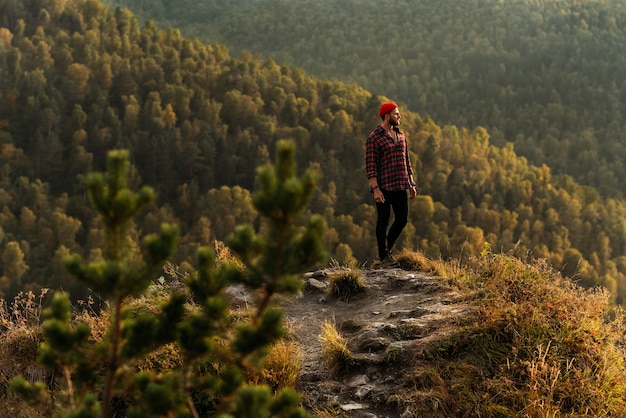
13 262
220 356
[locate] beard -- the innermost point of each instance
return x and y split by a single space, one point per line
394 122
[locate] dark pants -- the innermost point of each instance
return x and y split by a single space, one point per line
400 204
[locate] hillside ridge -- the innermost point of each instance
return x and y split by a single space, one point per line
198 124
525 70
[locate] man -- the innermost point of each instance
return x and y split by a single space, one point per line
390 174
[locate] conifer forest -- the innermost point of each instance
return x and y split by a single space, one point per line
514 113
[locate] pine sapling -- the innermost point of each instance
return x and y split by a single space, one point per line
220 355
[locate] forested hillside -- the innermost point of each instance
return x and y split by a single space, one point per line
546 75
78 79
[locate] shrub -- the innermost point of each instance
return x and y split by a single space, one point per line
337 356
281 367
345 284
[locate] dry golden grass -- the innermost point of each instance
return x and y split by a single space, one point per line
24 310
453 270
281 367
330 413
540 346
337 356
417 261
223 253
20 336
345 284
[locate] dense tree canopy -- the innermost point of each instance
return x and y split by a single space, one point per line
546 75
79 80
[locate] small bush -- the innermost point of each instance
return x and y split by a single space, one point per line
345 284
24 312
416 261
337 356
281 367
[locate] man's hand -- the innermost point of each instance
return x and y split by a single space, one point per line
413 192
379 197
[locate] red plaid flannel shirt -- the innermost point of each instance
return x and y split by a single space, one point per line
388 162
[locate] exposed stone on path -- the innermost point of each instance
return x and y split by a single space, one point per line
400 315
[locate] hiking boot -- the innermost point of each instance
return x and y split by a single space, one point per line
389 263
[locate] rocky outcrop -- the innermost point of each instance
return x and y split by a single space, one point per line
398 317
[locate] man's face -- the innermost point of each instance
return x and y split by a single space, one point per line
394 117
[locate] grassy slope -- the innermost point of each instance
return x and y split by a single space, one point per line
536 345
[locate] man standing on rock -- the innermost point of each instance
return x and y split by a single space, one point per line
390 174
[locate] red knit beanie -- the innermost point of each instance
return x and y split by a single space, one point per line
386 108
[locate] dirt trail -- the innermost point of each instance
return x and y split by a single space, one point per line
399 315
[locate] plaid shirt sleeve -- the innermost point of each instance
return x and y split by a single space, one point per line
387 161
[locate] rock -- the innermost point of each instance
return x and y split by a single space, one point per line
238 296
363 391
359 380
318 274
316 285
373 345
353 407
367 335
